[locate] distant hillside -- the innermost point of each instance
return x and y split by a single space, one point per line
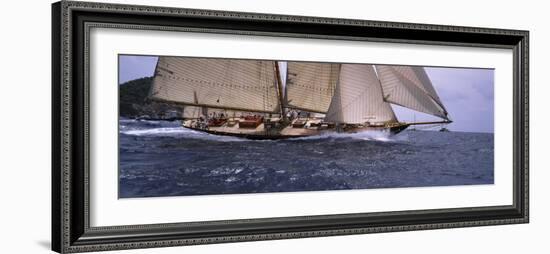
133 100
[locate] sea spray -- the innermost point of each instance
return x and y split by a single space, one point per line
375 135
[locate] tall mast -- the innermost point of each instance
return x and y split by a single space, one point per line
280 89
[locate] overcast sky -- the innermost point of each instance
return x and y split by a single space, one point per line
468 94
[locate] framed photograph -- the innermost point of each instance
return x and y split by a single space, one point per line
177 126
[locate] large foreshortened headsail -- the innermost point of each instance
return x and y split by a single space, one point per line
358 97
310 86
410 87
243 85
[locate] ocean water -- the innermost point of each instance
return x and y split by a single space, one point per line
160 158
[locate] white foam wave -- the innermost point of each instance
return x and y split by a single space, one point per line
382 136
126 120
180 132
148 122
155 131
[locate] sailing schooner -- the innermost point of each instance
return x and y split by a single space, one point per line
246 98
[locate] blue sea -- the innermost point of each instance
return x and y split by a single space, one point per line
160 158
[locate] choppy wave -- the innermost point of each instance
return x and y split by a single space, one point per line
165 159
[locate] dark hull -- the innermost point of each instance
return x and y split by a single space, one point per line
393 131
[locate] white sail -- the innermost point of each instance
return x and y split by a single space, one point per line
358 97
247 85
310 86
410 87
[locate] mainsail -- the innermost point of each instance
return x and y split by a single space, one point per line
358 97
310 86
243 85
409 86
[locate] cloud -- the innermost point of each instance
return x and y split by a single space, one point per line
468 95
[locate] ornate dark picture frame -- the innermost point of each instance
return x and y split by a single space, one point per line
71 22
